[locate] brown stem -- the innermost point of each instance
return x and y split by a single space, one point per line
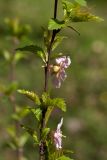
43 147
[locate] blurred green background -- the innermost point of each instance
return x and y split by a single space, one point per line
85 89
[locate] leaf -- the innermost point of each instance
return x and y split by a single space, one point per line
45 132
31 95
37 113
31 48
55 24
67 151
82 2
59 103
53 102
64 158
45 97
57 41
48 113
76 13
32 132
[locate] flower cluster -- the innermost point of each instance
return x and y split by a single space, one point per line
58 136
59 70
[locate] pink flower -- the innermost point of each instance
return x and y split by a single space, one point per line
58 136
59 69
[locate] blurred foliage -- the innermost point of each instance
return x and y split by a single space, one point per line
85 89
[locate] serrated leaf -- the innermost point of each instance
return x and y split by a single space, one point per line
31 95
45 97
59 103
76 13
55 24
37 113
31 48
64 158
81 2
53 102
32 132
45 132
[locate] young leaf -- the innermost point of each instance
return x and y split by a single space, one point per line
45 132
32 132
57 41
37 113
55 24
82 2
31 95
59 103
64 158
45 97
76 13
48 113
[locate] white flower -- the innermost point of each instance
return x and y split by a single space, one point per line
60 74
58 135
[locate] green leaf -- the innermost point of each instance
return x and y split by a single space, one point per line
76 13
67 151
31 48
55 102
48 113
55 24
32 132
37 113
59 103
82 2
57 41
64 158
45 132
45 97
31 95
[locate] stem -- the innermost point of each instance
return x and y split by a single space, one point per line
43 147
49 49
